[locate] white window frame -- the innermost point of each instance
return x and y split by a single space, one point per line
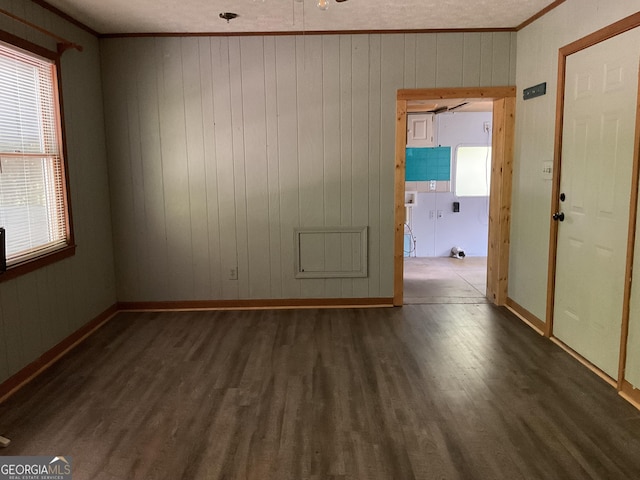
487 176
42 253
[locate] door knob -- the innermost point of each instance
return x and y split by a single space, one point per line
559 216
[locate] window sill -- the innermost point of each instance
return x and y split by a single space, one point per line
32 265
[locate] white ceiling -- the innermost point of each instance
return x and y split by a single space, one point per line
200 16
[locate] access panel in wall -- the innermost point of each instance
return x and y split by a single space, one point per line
331 252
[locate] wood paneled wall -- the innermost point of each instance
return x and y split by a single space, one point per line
220 146
40 309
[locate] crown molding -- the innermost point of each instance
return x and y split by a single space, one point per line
541 13
68 18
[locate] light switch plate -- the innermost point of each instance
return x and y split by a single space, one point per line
547 170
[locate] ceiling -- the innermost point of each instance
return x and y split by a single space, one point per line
202 16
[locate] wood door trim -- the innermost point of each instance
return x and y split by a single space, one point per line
599 36
503 128
470 93
631 241
605 33
399 209
500 199
555 195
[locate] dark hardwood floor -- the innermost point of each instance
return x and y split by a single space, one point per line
454 391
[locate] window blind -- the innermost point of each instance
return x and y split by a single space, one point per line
32 196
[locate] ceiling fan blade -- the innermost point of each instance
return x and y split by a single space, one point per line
438 110
458 106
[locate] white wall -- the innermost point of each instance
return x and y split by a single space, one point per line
537 61
39 309
219 146
469 227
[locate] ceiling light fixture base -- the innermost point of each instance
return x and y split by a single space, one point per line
228 16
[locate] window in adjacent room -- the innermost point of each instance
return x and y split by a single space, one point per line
34 210
473 171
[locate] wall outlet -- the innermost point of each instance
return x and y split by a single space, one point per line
486 127
547 170
233 274
432 185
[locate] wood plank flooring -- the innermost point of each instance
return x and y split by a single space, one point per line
453 391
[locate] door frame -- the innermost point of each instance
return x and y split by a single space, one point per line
617 28
500 191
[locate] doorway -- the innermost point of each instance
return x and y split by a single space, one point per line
597 151
447 213
503 100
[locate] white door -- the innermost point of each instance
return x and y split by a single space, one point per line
597 157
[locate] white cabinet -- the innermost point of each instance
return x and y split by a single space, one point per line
420 130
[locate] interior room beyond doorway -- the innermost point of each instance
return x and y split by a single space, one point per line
447 209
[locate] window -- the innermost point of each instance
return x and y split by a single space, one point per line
33 194
473 171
